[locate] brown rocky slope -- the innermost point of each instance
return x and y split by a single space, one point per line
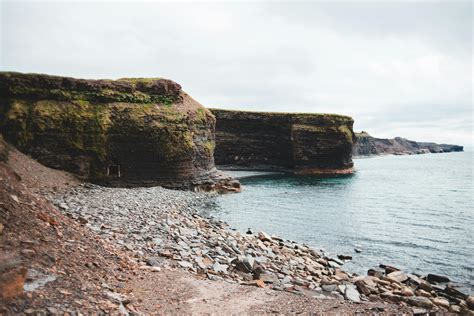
48 261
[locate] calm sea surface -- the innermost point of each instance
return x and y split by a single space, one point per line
413 212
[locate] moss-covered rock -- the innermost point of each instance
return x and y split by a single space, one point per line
301 142
132 131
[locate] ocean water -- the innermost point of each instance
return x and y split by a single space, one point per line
412 212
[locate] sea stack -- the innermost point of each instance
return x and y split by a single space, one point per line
302 143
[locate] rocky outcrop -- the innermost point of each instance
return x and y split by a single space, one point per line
124 132
302 143
367 145
3 150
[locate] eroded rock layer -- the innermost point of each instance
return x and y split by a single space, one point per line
367 145
127 132
302 143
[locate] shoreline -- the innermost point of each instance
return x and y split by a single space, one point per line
406 154
169 231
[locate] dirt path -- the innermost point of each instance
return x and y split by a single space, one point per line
37 177
175 291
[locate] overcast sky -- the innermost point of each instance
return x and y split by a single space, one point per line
399 68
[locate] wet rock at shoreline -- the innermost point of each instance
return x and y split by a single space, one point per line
470 302
398 276
388 269
434 278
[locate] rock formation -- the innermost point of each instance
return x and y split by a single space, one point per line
123 132
367 145
302 143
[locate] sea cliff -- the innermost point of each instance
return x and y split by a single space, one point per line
367 145
298 142
131 131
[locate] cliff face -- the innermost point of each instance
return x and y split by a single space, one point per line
367 145
123 132
303 143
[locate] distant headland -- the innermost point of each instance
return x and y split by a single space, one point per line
368 145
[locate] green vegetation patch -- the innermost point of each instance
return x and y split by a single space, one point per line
209 145
131 90
167 131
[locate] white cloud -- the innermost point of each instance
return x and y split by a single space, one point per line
399 68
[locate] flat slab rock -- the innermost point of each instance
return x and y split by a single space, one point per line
398 276
351 293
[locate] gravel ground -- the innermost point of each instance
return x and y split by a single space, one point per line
163 229
138 219
159 224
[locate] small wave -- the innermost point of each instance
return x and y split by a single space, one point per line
433 240
427 225
400 244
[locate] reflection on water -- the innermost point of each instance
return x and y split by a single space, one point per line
415 212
